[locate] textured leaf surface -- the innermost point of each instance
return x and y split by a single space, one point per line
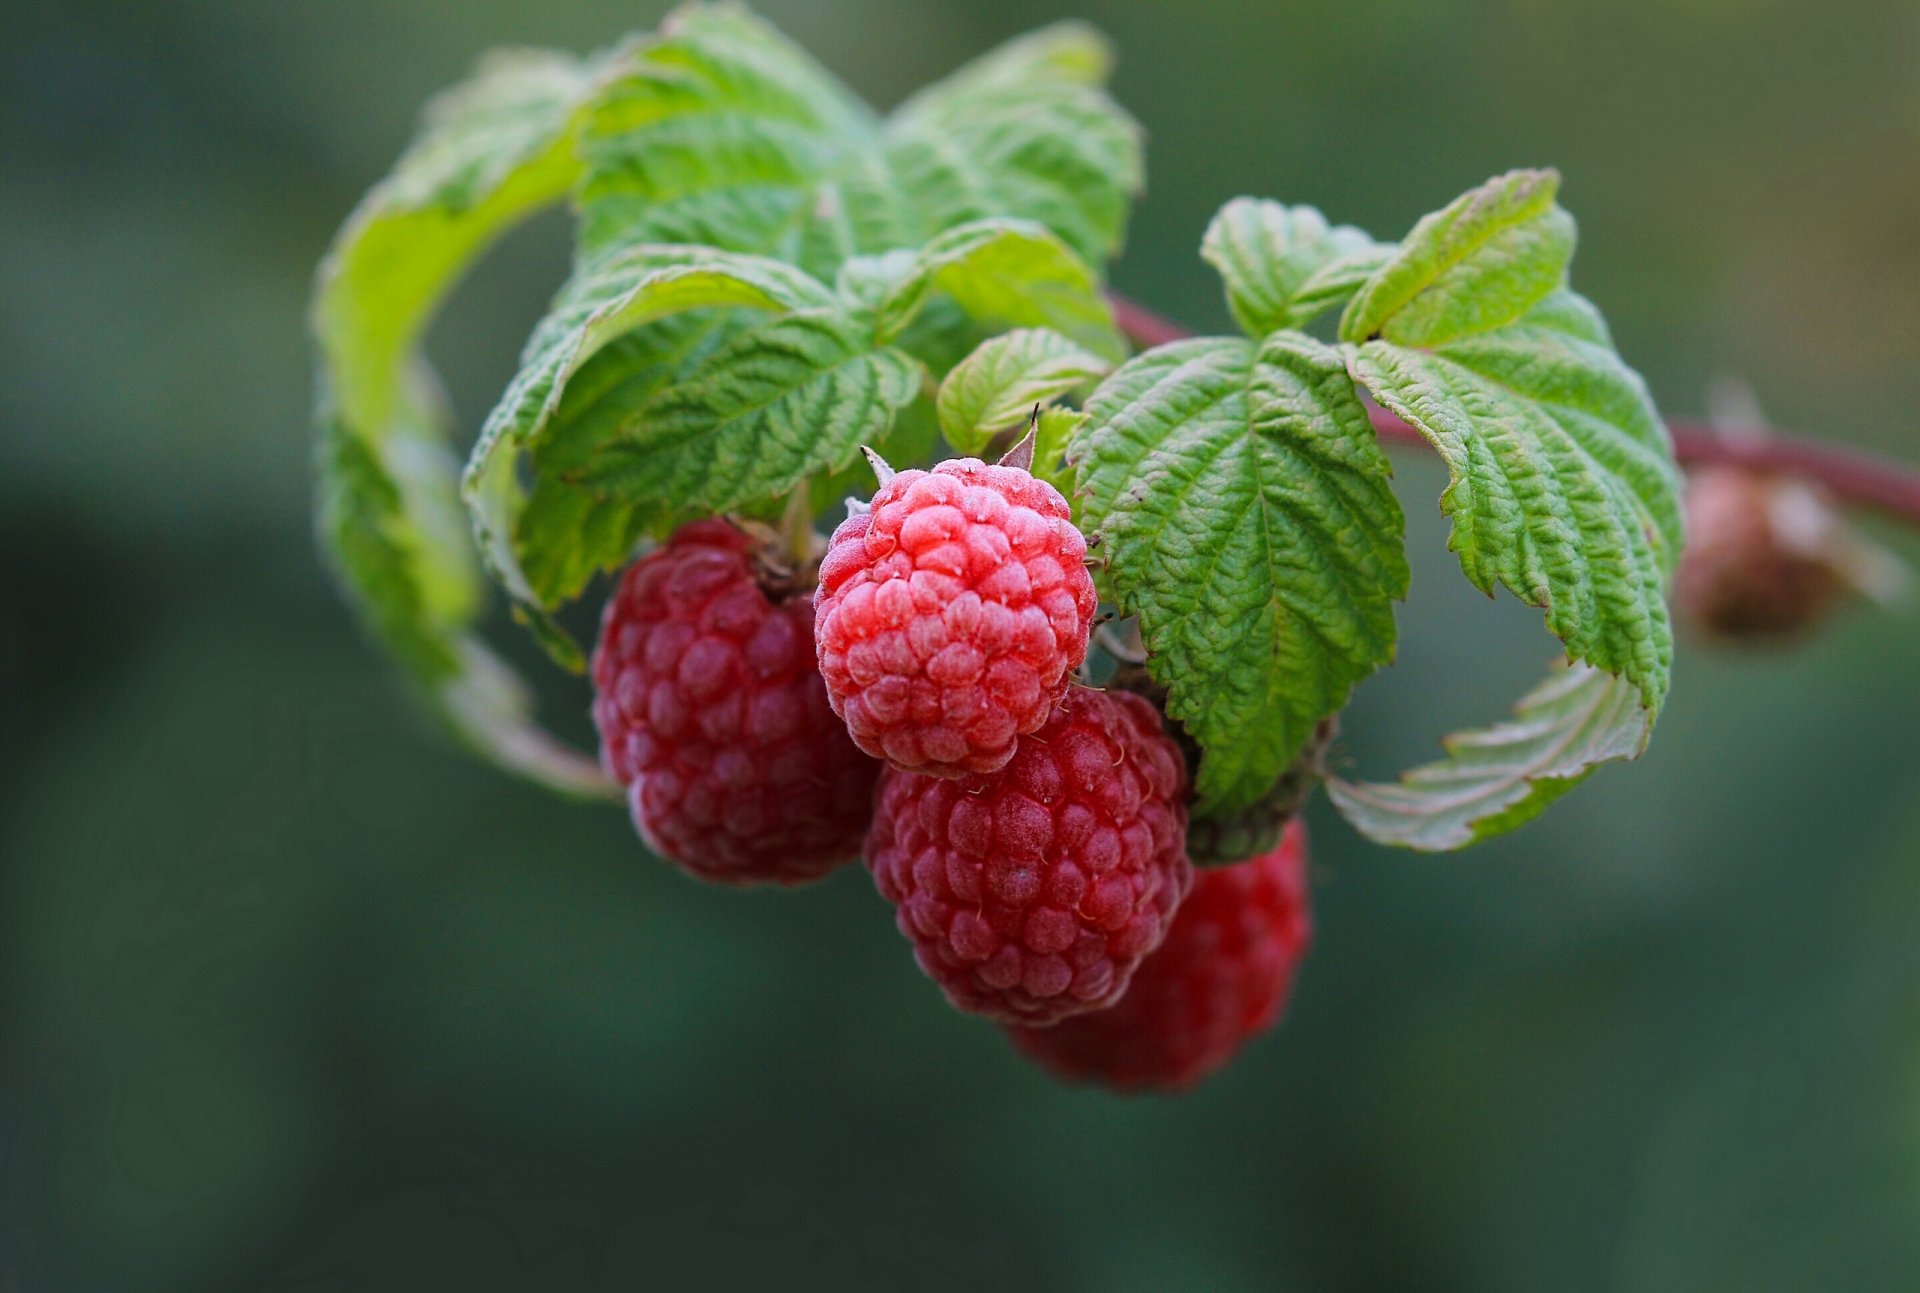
793 396
721 131
995 388
1562 482
1275 262
1480 262
1494 780
1006 274
1242 506
1025 131
609 298
489 152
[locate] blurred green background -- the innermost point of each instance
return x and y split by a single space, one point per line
297 997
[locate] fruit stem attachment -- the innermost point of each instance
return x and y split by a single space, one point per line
1854 477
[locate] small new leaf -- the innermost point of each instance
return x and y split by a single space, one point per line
1502 777
1482 261
995 388
1276 260
1242 506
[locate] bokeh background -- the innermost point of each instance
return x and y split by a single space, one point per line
297 997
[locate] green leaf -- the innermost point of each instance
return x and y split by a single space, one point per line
1051 439
566 533
1494 780
1006 274
1025 132
796 395
1562 481
1562 487
489 153
608 298
995 388
1242 506
721 131
1276 262
1481 262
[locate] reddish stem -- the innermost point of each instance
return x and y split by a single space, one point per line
1851 475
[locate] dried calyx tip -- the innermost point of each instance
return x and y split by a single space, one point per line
1021 455
882 472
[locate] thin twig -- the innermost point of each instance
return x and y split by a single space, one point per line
1850 475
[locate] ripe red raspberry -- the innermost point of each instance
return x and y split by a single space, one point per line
951 614
712 713
1220 978
1032 893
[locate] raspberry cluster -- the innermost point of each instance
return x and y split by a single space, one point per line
1220 979
1032 834
951 613
712 713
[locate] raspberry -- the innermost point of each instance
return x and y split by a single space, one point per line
951 614
1032 893
1763 556
712 713
1254 829
1220 978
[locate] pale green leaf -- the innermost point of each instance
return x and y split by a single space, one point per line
1482 261
791 397
1562 482
1006 274
1242 507
1025 131
996 387
1051 439
1497 779
1562 487
721 131
489 153
610 297
1275 262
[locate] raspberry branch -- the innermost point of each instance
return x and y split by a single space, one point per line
1853 476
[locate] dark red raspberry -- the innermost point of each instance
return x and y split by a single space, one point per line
1032 893
712 713
1221 977
951 615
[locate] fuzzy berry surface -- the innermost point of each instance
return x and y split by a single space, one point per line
1031 894
713 715
1221 978
951 615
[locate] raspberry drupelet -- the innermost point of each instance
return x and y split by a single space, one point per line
1032 893
951 615
712 713
1220 979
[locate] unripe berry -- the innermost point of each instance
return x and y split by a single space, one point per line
711 711
952 614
